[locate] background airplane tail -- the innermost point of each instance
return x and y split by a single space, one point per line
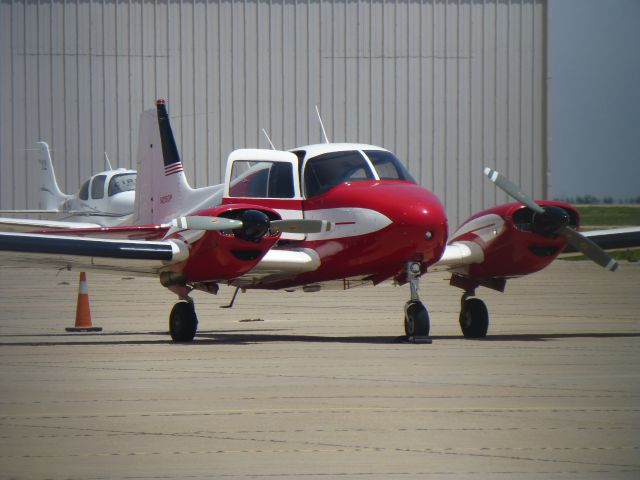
162 190
50 196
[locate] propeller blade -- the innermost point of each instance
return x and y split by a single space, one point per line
300 226
590 249
205 223
577 240
512 189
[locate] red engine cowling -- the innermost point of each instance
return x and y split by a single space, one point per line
223 255
514 241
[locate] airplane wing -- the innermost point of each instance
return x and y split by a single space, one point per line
26 225
64 251
612 239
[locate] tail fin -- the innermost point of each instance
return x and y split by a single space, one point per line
164 194
50 196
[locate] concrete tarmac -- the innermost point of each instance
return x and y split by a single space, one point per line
317 385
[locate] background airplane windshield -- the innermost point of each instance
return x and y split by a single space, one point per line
123 182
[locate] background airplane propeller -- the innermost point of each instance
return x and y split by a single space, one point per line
552 220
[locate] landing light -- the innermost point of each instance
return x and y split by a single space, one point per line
428 235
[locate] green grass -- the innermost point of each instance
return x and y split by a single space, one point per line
596 216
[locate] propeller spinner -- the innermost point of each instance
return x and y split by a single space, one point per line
553 220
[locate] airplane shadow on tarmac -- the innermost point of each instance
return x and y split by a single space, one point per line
246 337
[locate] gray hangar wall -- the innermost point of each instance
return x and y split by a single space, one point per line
450 86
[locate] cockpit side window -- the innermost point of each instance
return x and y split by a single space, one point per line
84 190
261 180
324 172
387 166
97 186
122 182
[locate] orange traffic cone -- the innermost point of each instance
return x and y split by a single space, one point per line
83 312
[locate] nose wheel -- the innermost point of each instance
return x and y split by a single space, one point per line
416 320
474 317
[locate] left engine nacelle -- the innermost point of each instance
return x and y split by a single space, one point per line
217 256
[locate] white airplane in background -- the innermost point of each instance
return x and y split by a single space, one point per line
119 197
106 199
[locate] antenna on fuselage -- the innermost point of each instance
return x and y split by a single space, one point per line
324 132
268 139
106 159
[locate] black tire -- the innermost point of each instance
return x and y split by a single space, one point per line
183 322
474 318
416 320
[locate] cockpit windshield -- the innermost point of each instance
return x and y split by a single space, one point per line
324 172
122 182
387 166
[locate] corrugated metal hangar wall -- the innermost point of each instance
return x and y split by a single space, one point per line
450 86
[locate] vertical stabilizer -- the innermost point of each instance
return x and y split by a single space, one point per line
50 196
162 191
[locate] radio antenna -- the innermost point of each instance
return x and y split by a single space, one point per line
106 159
324 132
268 139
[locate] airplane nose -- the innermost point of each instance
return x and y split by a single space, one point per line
424 222
419 222
122 203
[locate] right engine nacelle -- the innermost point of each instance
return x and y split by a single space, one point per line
514 243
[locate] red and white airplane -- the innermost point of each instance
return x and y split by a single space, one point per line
321 216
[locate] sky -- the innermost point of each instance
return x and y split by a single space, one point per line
594 95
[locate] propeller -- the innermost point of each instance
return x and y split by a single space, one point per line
252 225
205 223
551 220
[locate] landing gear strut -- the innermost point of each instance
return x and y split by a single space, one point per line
474 317
416 317
183 322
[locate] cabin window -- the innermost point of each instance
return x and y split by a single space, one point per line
261 180
324 172
387 166
122 182
97 186
84 191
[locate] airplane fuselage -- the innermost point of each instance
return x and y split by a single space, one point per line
381 219
107 198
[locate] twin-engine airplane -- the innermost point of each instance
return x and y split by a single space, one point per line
105 199
328 215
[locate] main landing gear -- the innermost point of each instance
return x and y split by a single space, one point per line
416 317
474 316
183 322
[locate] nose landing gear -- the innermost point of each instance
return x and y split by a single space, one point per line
416 317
